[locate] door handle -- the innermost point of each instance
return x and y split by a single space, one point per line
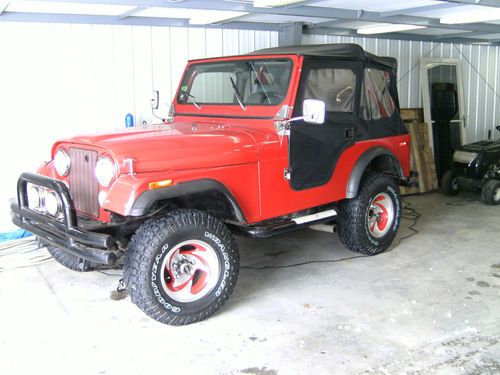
349 133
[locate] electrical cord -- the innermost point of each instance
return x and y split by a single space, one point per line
461 202
408 213
22 253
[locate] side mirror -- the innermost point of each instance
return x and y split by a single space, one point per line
313 111
155 100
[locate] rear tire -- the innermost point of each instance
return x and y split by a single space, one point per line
181 267
449 184
69 260
491 192
368 223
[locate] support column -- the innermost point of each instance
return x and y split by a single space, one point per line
290 35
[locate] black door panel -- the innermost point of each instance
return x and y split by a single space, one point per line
315 149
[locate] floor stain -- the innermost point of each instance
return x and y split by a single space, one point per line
259 371
258 339
483 284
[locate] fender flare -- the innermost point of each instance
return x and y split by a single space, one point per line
363 161
146 200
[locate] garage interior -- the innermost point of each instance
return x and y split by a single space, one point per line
303 303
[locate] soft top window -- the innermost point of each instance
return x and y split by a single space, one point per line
257 82
376 100
334 86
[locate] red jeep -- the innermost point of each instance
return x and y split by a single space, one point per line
260 144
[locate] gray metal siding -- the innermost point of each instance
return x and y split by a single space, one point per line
480 71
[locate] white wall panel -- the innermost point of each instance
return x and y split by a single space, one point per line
59 80
480 70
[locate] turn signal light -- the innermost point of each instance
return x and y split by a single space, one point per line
160 184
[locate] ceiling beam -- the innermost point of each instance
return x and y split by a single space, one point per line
488 3
426 8
131 12
132 21
398 36
3 6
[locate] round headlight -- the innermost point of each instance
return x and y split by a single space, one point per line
52 203
105 171
62 162
34 197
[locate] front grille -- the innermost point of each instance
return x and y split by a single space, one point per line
83 183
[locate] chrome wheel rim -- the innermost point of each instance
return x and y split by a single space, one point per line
190 271
380 215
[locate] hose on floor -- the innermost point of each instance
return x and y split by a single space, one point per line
22 253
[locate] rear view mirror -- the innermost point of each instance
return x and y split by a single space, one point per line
313 111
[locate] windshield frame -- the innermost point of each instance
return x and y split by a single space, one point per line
244 58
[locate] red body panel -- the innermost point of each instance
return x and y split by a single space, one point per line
243 151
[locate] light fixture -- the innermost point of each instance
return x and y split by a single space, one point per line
29 6
477 14
273 3
387 28
195 16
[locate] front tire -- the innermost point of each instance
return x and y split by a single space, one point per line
449 184
69 260
181 268
491 192
368 223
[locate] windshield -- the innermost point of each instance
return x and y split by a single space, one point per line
238 82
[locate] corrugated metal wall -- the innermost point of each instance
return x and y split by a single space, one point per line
480 71
59 80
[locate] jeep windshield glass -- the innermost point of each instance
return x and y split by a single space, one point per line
256 82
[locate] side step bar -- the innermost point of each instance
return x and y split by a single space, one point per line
279 227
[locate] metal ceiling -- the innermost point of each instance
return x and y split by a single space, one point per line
336 17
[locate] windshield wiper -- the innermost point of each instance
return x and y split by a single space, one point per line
192 101
237 94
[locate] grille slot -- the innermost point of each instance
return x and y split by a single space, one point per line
83 183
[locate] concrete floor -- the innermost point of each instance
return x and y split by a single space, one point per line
431 305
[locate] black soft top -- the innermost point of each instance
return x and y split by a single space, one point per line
341 50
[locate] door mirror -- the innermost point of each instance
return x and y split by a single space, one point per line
313 111
155 100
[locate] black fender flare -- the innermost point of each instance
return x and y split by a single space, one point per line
363 161
146 200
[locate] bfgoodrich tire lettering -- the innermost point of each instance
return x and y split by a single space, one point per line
180 268
369 222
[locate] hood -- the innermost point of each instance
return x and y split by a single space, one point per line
483 146
183 146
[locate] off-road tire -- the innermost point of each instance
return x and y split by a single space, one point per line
149 254
448 184
491 192
69 260
353 223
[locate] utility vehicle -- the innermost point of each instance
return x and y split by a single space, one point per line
258 144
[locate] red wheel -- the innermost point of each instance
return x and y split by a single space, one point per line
190 271
380 215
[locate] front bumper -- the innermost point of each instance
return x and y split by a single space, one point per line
63 233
